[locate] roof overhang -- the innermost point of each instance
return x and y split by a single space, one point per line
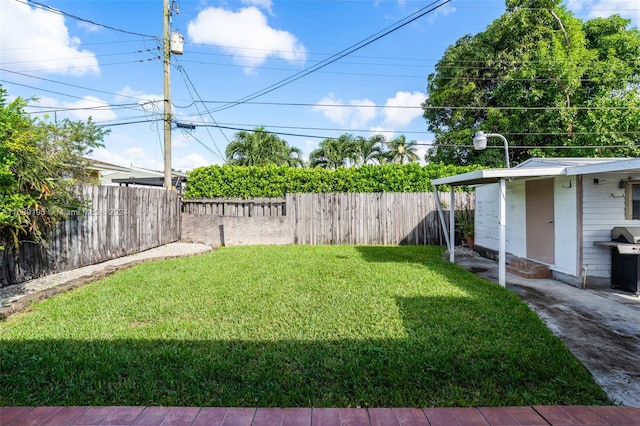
627 165
148 181
480 177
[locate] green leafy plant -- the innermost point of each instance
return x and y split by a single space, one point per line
39 164
276 181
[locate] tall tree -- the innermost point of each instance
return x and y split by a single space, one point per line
370 150
260 147
401 151
334 153
39 162
542 78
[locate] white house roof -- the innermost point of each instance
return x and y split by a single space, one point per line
544 167
104 166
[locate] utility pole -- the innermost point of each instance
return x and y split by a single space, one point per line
167 95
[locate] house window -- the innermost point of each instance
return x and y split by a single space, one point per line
632 197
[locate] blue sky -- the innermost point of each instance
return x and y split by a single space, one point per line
107 64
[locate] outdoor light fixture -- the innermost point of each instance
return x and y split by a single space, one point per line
480 142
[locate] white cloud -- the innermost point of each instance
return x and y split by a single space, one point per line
189 162
578 5
246 35
380 130
403 116
81 109
265 4
441 11
35 39
603 8
88 27
150 102
421 149
355 113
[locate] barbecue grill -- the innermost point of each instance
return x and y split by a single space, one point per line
625 257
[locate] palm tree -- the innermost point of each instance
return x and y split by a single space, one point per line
334 153
401 151
261 147
370 150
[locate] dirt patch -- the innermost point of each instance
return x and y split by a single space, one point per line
609 348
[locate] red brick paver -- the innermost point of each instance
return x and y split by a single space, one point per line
196 416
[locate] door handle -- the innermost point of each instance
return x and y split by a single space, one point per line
551 221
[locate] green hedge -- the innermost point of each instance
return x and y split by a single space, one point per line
276 181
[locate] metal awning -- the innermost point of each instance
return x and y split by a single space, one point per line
480 177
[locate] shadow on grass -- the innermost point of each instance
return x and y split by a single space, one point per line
456 351
437 364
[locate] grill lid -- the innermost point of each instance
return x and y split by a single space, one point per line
626 234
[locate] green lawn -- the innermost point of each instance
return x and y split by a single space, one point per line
289 326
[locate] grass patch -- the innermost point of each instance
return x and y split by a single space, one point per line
290 326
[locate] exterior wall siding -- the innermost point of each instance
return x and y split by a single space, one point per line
516 219
566 225
487 231
603 208
565 205
486 216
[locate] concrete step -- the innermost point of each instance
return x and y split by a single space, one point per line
528 268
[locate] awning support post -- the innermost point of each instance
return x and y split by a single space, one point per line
452 224
502 270
443 224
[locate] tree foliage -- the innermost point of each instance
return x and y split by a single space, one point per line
39 163
260 147
543 78
348 150
401 151
273 181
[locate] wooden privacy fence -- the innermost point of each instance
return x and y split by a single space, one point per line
119 221
361 219
369 218
252 207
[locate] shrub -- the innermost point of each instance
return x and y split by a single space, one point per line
276 181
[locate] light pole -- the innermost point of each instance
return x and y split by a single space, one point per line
480 142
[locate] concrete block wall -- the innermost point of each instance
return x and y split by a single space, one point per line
236 230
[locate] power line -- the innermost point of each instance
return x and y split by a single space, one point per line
71 85
508 108
138 61
60 12
64 59
359 74
130 122
40 89
315 136
95 108
345 52
186 79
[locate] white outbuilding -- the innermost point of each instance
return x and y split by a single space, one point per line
559 212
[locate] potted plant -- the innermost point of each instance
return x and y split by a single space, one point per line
467 233
465 226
